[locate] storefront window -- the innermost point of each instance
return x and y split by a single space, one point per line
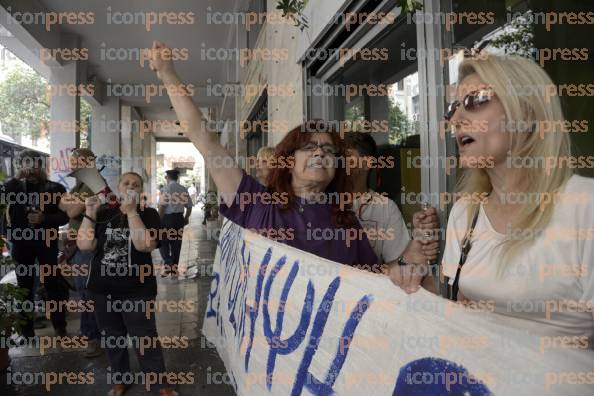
257 7
404 108
387 95
258 136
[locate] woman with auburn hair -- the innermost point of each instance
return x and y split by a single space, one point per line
309 188
526 248
301 207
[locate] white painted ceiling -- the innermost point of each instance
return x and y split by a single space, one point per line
191 36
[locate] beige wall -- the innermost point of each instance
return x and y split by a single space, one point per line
285 111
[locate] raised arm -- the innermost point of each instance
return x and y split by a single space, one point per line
227 179
144 240
72 205
85 239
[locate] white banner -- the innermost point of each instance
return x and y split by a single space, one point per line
286 322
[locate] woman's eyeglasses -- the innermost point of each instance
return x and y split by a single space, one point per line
471 102
326 148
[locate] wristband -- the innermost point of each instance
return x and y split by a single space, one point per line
401 261
90 218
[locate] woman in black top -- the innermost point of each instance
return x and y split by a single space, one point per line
123 238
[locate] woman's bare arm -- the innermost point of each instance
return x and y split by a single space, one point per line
227 179
143 240
71 205
429 284
85 239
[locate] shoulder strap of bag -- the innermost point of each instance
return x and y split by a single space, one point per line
466 245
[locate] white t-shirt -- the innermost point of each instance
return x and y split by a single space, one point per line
549 286
383 224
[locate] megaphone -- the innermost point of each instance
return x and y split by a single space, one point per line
96 183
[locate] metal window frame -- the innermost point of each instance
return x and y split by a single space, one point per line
318 107
434 180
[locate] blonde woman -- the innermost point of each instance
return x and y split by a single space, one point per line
530 255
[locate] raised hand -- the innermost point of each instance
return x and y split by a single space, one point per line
426 231
35 217
161 61
129 202
92 204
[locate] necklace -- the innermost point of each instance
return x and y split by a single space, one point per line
300 208
306 201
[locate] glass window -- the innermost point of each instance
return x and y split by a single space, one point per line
257 7
388 93
6 163
354 111
258 136
520 29
404 108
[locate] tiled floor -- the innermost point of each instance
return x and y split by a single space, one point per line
199 360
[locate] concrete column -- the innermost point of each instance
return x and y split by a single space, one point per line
152 155
126 139
64 123
138 150
137 146
148 172
105 139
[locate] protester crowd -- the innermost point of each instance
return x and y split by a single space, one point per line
115 238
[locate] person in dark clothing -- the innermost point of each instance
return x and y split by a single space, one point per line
73 203
175 208
33 218
122 281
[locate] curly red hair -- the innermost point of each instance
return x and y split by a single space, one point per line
279 179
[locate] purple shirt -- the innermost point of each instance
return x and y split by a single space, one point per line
309 229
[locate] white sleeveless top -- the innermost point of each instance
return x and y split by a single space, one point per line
550 284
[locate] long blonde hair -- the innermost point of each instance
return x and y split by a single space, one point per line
521 86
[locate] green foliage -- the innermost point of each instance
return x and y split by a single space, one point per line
24 102
161 176
400 127
11 299
410 5
354 113
85 116
517 38
2 210
293 9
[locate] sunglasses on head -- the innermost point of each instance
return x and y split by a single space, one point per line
471 102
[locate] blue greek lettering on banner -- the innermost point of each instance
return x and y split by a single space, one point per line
304 377
210 312
253 310
245 273
230 280
236 286
276 344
